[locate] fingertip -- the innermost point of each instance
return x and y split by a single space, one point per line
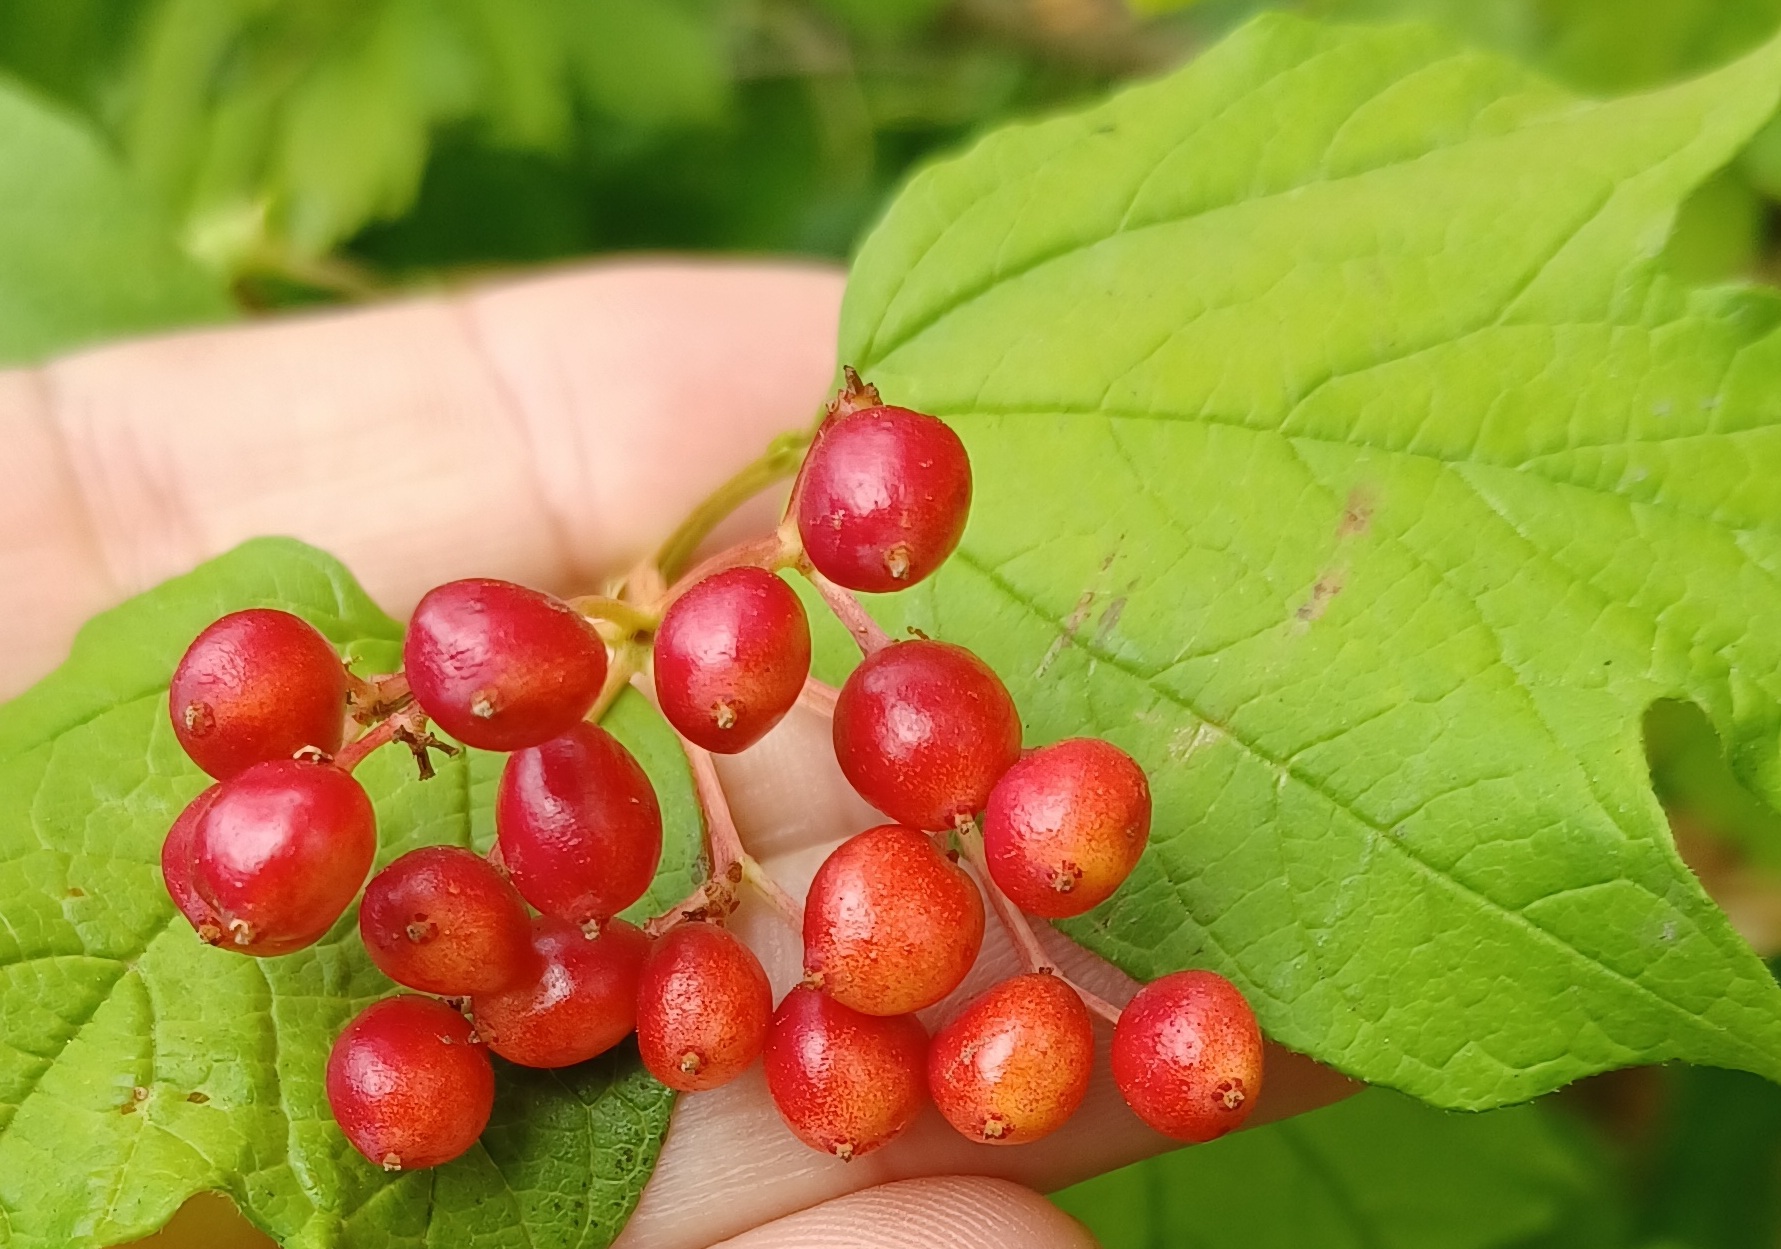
961 1212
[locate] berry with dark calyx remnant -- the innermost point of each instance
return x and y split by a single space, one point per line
891 925
923 731
731 656
500 666
703 1007
257 685
442 920
281 851
1015 1064
883 498
579 1002
1065 826
1187 1056
845 1083
578 825
176 870
408 1083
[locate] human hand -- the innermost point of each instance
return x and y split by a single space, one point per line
551 432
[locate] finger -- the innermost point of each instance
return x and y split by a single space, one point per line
730 1163
958 1212
550 431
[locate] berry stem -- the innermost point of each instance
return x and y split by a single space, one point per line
1020 929
819 697
623 665
849 612
408 726
779 549
781 459
715 900
374 698
776 894
729 861
630 618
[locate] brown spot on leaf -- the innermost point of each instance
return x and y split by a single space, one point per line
1328 586
1357 513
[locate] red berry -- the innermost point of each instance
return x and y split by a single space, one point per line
1014 1065
176 869
579 826
1065 826
441 920
499 666
580 1001
703 1007
257 685
891 924
845 1083
731 657
1187 1056
924 730
883 498
281 851
409 1085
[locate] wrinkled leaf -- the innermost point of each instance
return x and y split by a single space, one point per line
1345 451
138 1066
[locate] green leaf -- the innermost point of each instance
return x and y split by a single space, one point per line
138 1066
81 256
1378 1171
1345 450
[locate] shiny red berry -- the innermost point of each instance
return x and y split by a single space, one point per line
442 920
845 1083
579 826
924 730
257 685
1187 1056
408 1083
703 1007
579 1002
1014 1065
891 924
883 498
499 666
177 865
731 657
1065 826
280 853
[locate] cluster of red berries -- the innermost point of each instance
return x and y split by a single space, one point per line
265 861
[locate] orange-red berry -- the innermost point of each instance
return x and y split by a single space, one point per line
1187 1056
891 924
844 1082
1014 1065
703 1006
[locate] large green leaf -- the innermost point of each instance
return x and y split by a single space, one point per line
1378 1171
81 256
138 1066
1344 450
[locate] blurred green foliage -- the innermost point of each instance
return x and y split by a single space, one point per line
1679 1158
327 149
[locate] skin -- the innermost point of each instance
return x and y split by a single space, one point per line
550 432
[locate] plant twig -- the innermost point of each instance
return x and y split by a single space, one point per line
1020 930
622 666
779 549
408 726
729 860
629 617
779 461
847 609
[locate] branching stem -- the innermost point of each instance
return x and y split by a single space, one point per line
847 609
779 461
729 860
1020 929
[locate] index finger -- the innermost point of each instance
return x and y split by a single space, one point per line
549 431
